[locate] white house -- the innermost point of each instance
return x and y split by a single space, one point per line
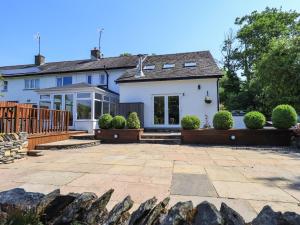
167 86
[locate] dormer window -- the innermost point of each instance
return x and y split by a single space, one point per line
168 65
149 67
190 64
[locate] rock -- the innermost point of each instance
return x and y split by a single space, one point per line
156 212
46 201
267 217
138 215
23 136
207 214
54 209
97 212
19 199
230 216
118 211
179 214
290 218
74 209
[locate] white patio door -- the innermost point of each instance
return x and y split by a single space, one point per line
166 110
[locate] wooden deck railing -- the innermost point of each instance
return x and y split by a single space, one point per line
33 120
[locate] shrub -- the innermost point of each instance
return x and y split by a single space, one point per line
118 122
190 122
284 117
133 121
223 120
254 120
105 121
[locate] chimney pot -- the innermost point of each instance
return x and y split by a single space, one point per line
95 54
39 60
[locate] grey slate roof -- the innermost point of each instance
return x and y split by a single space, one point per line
205 67
70 66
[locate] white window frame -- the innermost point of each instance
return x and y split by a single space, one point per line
32 84
62 80
91 98
100 79
190 64
4 86
149 67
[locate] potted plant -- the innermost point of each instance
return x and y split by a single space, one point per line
207 99
119 130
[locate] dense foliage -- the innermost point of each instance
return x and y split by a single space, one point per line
223 120
254 120
105 121
133 121
284 117
263 42
190 122
19 218
118 122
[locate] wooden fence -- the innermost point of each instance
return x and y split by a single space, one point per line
14 119
125 109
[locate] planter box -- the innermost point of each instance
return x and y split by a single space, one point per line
119 135
271 137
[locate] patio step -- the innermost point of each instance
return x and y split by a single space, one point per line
167 141
67 144
83 136
148 135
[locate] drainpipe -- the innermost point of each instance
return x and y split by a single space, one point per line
218 101
107 76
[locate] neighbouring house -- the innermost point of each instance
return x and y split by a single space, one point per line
162 88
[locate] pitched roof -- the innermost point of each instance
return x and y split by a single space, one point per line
205 67
70 66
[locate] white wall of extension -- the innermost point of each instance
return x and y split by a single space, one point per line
191 98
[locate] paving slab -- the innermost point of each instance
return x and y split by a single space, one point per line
251 191
192 184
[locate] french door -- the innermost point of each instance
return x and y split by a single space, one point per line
166 110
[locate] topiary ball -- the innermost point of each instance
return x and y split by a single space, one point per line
118 122
105 121
133 121
284 117
190 122
223 120
254 120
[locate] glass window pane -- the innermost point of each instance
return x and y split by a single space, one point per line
45 97
69 107
45 104
27 84
98 109
173 110
67 80
89 79
106 98
105 107
58 81
37 83
57 102
112 109
102 79
98 96
159 110
83 95
84 109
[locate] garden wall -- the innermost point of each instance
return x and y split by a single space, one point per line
89 209
271 137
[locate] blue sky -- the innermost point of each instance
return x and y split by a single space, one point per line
69 27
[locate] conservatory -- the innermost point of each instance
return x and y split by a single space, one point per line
85 102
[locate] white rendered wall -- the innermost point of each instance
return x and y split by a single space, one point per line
191 98
16 86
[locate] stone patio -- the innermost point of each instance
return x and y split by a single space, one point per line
245 179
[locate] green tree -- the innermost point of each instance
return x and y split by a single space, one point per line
279 74
254 37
